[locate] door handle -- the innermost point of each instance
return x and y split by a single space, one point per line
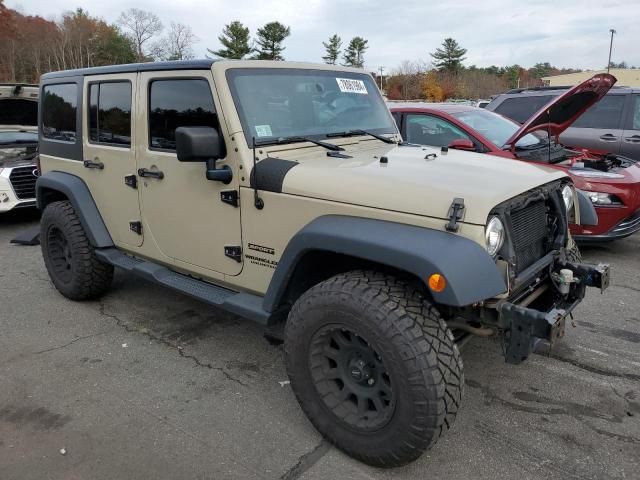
608 137
632 139
93 164
144 172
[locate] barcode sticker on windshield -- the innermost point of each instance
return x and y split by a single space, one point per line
348 85
264 130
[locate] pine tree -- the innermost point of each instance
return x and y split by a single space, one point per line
450 57
332 49
354 55
235 39
269 41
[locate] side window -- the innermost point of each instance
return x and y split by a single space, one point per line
429 130
110 113
59 105
604 114
521 109
178 103
634 121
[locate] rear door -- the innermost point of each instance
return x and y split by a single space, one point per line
631 134
600 127
109 158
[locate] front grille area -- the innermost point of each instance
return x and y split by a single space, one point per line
529 234
23 182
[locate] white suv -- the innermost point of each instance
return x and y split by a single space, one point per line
18 145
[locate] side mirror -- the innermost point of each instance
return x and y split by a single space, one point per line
202 144
463 144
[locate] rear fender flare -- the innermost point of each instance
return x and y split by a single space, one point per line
77 192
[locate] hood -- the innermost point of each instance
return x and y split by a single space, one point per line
411 183
563 110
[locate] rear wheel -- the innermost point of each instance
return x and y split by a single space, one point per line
373 366
73 266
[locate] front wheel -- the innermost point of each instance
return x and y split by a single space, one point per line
373 366
573 252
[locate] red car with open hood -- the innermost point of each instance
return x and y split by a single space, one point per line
611 181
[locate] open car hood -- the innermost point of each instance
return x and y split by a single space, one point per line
562 111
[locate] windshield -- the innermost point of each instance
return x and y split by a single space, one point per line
280 103
15 111
18 138
496 128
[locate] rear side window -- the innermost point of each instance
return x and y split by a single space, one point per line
604 114
521 109
110 113
59 105
178 103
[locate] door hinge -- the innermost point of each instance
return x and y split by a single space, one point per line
230 197
234 252
131 181
456 213
136 227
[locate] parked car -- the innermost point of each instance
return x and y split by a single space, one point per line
278 191
611 181
18 145
482 103
612 125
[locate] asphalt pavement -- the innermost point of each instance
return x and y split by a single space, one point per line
149 384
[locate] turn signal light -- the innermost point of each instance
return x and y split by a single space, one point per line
437 282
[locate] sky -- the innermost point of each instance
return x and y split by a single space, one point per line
565 33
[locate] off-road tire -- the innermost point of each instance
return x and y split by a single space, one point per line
418 351
73 266
573 252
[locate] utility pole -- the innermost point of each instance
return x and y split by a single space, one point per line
381 70
610 48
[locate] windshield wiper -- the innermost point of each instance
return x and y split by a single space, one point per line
294 139
352 133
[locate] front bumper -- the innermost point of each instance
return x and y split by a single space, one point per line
626 227
525 324
9 200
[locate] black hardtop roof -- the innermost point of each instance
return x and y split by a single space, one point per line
204 64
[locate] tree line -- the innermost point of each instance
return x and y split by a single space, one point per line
31 45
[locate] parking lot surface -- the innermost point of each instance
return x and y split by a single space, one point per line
147 383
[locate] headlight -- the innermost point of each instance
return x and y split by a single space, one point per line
599 198
592 173
494 235
567 196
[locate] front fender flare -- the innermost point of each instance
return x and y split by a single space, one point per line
77 192
471 274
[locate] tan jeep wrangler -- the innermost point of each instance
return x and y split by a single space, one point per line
282 192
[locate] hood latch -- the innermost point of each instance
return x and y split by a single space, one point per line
456 213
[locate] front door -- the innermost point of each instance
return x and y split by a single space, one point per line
631 135
108 155
182 211
600 127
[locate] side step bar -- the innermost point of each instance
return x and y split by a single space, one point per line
243 304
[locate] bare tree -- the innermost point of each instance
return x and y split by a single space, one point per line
177 44
141 26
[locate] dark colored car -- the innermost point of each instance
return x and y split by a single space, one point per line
611 125
611 181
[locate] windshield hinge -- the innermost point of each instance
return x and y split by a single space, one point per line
456 213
